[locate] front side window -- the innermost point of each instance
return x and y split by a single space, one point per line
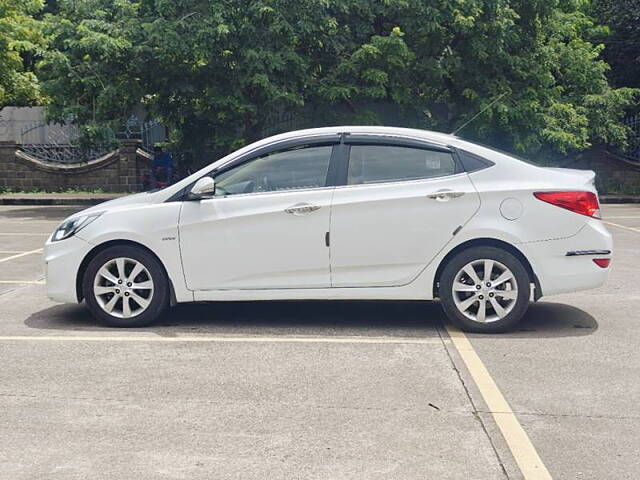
295 169
387 163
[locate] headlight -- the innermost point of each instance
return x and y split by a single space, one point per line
71 226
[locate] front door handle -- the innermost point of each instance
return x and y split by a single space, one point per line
301 209
444 195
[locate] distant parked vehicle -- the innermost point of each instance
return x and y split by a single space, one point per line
341 213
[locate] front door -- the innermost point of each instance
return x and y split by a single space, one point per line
265 228
399 208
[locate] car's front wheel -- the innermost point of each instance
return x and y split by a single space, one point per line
485 290
125 286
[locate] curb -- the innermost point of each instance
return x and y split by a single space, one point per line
619 199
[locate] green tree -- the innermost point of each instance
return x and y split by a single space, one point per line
217 72
622 42
20 40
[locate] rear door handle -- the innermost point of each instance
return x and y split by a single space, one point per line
301 209
444 195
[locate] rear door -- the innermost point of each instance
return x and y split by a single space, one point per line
400 205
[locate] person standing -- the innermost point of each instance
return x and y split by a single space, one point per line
161 168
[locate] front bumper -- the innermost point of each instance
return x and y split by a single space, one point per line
62 261
558 272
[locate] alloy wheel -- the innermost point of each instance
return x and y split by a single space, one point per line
123 287
485 290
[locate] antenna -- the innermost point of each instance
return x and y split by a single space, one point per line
478 114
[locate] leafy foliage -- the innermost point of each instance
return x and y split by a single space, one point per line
20 38
622 39
217 72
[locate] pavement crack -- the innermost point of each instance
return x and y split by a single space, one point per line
15 289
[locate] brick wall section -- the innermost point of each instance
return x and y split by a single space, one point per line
120 172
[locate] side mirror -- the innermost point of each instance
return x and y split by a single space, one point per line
203 188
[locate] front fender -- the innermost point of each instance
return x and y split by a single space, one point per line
154 226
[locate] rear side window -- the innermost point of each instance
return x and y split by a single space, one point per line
472 163
388 163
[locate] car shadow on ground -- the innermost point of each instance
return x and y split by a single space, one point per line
326 318
553 320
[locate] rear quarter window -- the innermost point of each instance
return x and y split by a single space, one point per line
472 162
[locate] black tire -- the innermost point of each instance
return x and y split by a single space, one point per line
507 259
159 300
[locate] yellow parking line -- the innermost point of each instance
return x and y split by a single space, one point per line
522 449
221 339
23 282
6 259
637 230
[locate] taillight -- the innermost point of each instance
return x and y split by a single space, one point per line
602 262
584 203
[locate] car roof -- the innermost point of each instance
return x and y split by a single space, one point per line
437 137
444 139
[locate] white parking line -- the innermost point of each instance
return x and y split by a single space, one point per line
31 234
30 252
222 339
522 449
22 282
622 226
20 220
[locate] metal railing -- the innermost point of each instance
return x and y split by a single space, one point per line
61 143
150 132
57 143
633 150
63 154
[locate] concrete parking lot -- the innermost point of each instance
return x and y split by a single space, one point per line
317 390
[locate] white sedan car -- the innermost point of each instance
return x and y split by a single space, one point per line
341 213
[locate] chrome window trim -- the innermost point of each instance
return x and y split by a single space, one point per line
402 182
250 194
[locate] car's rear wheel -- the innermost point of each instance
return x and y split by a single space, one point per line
485 290
125 286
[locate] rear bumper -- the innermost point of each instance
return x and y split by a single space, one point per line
62 261
558 272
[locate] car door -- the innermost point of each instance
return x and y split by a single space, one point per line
400 205
266 225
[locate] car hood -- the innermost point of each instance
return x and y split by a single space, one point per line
135 199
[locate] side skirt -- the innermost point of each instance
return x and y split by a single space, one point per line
375 293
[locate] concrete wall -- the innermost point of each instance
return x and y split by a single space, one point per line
28 125
14 119
119 171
